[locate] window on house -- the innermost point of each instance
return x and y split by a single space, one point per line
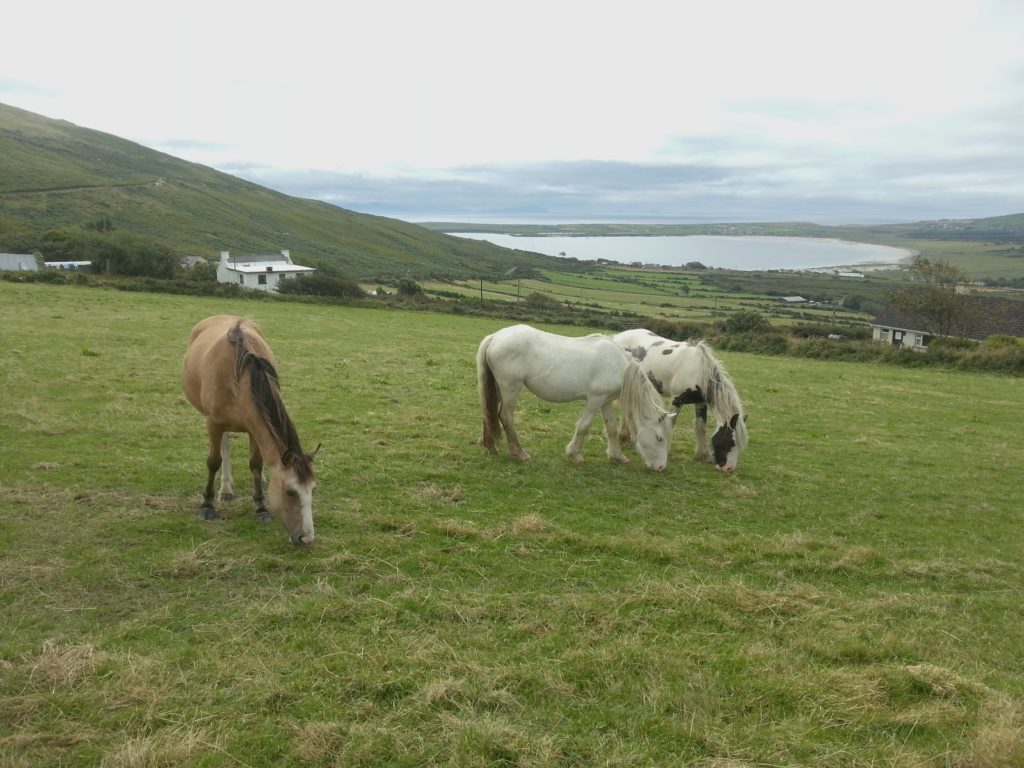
241 279
261 279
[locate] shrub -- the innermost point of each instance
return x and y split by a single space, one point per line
1001 341
746 321
320 285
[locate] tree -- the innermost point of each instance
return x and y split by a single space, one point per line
939 297
409 287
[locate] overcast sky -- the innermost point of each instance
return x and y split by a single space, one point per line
845 111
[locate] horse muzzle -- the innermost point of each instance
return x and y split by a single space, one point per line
301 539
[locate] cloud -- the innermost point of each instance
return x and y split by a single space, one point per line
795 109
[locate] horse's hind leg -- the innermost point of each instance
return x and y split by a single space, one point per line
259 508
227 480
506 414
213 463
614 448
700 433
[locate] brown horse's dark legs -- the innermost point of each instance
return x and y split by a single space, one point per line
256 467
213 462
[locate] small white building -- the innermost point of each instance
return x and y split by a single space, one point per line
257 271
18 262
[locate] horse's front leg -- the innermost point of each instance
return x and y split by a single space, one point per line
259 509
574 450
614 448
227 480
700 433
625 436
207 511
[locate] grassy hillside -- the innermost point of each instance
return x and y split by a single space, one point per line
849 598
55 174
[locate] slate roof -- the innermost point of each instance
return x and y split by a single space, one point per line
986 317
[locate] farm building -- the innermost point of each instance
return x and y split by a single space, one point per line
18 262
83 265
257 271
985 316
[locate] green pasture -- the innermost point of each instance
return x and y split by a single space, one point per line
666 293
850 597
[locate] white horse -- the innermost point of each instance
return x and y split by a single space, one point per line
560 369
689 373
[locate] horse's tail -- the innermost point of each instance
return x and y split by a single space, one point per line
720 392
266 392
490 397
639 399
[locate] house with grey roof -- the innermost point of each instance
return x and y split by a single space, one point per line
262 272
984 316
18 262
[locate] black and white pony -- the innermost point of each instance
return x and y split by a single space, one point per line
689 373
560 369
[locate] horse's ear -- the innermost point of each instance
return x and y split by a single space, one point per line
310 456
734 420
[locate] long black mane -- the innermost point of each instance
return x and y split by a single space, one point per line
266 393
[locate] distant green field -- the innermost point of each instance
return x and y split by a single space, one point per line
850 597
682 294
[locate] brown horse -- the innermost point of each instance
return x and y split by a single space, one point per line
229 374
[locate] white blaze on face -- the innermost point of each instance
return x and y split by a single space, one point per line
306 499
725 448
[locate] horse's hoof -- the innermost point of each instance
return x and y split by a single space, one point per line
227 497
619 459
263 517
576 459
207 513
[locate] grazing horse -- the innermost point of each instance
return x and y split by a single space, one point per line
689 373
229 374
560 369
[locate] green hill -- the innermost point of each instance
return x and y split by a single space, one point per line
54 174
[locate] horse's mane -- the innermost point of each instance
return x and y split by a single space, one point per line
719 391
639 399
266 392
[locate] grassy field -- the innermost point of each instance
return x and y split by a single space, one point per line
850 597
678 294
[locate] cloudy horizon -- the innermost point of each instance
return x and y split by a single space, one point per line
868 112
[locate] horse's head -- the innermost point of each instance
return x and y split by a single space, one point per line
725 444
653 439
290 496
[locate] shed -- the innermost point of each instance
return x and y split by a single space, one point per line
258 271
18 262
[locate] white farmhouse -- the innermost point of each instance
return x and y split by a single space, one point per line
261 272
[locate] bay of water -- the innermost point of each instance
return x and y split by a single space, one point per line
725 252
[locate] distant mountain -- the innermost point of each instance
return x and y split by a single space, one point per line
55 174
